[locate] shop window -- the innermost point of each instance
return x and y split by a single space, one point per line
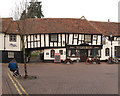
52 53
12 38
74 52
61 52
87 38
10 54
53 37
107 52
94 53
77 52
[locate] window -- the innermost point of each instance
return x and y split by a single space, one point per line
53 37
77 52
94 52
107 52
10 54
87 38
76 36
12 38
47 53
74 52
94 37
103 40
52 53
118 40
61 52
117 51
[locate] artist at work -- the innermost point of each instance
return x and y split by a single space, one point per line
14 67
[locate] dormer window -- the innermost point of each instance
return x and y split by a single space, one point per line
12 38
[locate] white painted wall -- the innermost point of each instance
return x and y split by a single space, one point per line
99 40
47 57
47 40
108 45
1 41
8 45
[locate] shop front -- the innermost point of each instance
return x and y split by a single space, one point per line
82 52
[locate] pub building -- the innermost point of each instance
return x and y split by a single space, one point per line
72 38
83 51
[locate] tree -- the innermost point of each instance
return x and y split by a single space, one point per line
33 11
16 14
21 12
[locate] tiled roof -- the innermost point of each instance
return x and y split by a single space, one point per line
54 25
60 25
6 22
107 27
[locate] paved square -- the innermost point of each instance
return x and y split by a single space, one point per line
77 78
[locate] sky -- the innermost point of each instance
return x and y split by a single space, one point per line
93 10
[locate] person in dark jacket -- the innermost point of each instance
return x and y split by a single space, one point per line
14 67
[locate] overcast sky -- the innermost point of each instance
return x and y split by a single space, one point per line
96 10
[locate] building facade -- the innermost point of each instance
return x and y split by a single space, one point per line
72 38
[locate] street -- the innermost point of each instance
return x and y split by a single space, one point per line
76 78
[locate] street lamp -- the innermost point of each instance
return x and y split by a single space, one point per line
111 35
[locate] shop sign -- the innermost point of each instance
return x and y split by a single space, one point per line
84 47
57 57
96 47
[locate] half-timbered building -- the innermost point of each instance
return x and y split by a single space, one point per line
72 38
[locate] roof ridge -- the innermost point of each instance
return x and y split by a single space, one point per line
93 26
52 18
104 22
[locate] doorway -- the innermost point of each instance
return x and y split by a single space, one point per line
83 55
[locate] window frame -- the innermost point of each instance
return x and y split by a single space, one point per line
12 38
11 55
116 51
107 54
52 55
61 52
53 35
87 41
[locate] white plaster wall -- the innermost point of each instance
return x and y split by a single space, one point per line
47 57
42 40
1 41
63 39
94 40
99 40
70 39
47 40
17 43
59 40
55 44
79 42
28 40
108 45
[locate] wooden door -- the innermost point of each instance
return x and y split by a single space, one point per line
83 55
